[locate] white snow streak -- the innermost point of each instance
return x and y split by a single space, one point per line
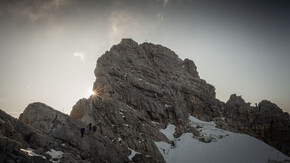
169 131
30 152
133 153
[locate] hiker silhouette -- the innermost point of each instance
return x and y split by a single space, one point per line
94 128
90 126
82 131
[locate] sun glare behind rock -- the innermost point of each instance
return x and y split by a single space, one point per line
91 93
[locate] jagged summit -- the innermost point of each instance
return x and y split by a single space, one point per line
155 63
128 42
151 106
137 84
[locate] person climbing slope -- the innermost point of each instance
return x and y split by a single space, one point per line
94 128
82 131
90 126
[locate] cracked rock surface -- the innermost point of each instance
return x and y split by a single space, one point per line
65 128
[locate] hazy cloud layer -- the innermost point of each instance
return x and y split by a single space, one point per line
165 2
80 55
123 24
2 99
32 10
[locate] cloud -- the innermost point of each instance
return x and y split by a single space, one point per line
32 10
123 24
80 55
165 2
160 17
2 99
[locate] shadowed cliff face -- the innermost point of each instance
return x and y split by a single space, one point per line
18 138
66 129
266 121
15 135
142 88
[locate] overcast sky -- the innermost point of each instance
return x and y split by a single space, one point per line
49 49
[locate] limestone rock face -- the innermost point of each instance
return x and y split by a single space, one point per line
140 89
266 121
152 78
15 135
125 127
139 86
83 110
67 129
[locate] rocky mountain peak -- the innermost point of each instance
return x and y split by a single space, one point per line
150 77
237 100
128 42
148 104
139 84
266 105
190 67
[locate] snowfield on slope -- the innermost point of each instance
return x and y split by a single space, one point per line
223 146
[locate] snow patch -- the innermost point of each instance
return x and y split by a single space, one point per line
164 148
30 152
55 155
133 153
167 106
201 123
207 130
235 147
155 123
122 114
169 131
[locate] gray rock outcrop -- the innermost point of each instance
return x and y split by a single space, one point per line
266 121
67 129
15 135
